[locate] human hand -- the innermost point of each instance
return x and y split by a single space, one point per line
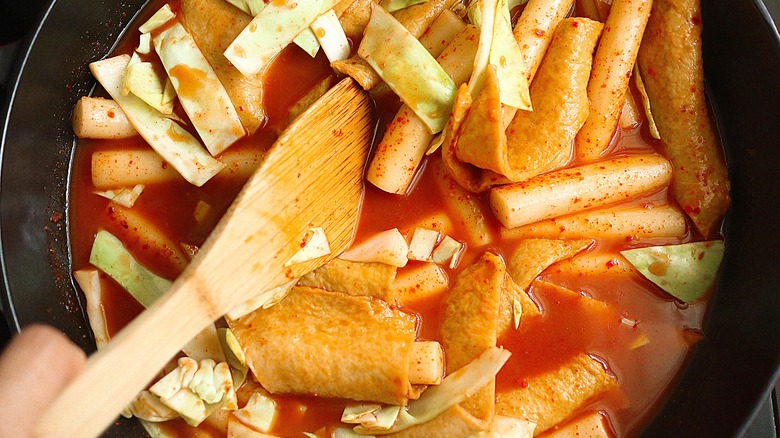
34 368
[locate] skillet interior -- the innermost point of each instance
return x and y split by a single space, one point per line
729 373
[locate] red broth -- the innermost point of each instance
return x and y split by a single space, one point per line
636 307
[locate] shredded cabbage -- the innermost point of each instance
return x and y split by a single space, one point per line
196 389
143 81
162 16
259 413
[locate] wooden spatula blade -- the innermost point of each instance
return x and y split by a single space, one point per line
312 177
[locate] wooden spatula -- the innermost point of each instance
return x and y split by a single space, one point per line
312 177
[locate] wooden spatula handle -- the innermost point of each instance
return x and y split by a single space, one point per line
127 364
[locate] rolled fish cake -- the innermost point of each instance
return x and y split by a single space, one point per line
330 344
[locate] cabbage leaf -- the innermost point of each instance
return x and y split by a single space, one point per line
259 413
200 92
162 16
685 271
110 256
397 5
196 389
408 68
387 247
330 35
174 144
498 47
255 47
453 389
142 80
125 197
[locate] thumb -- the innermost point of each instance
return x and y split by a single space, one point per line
37 364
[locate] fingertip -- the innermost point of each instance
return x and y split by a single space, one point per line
48 344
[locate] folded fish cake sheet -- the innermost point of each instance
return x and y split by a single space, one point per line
330 344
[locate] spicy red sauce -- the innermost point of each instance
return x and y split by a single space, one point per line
567 327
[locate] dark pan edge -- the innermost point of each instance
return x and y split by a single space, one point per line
670 416
715 395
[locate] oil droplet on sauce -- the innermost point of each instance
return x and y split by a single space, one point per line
191 81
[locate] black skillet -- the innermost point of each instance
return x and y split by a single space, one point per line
728 374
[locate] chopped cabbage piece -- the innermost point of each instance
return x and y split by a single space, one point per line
314 245
387 247
205 345
517 312
234 356
305 40
640 85
449 249
505 54
259 413
407 67
422 244
143 81
148 407
251 7
202 210
162 16
453 389
481 13
355 414
515 3
397 5
196 389
169 95
89 281
124 196
144 44
327 28
640 341
255 46
685 271
174 144
496 38
343 432
110 256
200 92
265 300
380 420
308 42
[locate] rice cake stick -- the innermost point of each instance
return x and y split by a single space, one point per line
578 189
96 117
398 156
612 65
534 30
620 223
